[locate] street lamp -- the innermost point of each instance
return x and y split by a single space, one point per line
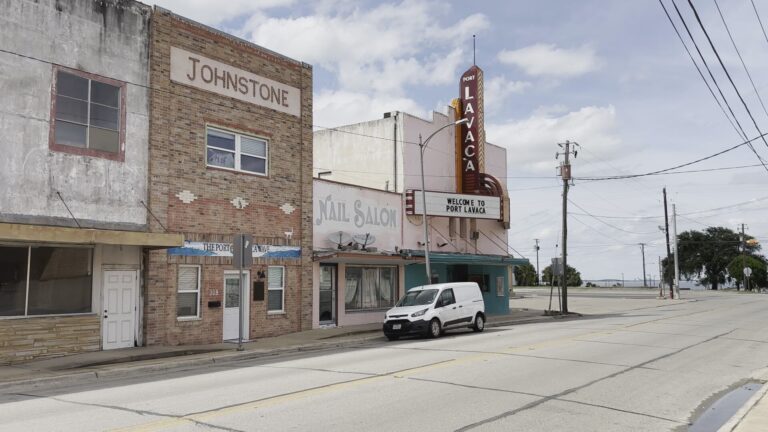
422 147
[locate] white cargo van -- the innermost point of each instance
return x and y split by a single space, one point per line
432 309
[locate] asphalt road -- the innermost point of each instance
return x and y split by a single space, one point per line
630 364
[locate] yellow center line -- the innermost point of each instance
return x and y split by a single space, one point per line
317 391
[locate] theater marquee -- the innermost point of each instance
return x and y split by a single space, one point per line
454 205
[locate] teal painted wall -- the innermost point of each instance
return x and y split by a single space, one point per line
415 275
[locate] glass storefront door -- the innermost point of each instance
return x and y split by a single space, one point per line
327 303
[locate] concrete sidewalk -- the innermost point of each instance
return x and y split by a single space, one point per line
102 365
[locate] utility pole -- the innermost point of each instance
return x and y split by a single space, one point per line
565 174
669 253
744 258
676 291
642 249
538 281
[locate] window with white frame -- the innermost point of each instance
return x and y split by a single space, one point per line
188 293
88 113
275 289
229 150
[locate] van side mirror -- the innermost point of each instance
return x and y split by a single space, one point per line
439 303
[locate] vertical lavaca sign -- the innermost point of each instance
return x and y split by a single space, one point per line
472 132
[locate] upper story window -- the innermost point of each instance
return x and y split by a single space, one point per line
235 151
88 115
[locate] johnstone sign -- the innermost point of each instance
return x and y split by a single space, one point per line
454 205
201 72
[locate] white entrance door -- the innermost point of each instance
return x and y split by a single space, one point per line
119 308
232 303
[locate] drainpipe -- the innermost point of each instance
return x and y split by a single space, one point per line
394 154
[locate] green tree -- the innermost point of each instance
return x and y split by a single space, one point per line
525 275
759 277
706 254
572 276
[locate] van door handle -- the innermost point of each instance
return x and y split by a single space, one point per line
454 307
461 306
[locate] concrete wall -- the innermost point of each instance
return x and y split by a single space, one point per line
356 211
24 339
363 154
108 38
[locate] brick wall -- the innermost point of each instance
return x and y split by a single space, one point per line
178 117
27 338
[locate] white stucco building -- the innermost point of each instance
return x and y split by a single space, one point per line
73 176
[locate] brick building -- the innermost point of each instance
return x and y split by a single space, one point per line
230 152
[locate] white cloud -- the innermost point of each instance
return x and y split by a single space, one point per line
498 89
549 60
334 108
382 49
216 12
531 142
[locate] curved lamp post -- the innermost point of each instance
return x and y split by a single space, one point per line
422 147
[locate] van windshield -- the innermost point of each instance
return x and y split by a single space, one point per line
418 298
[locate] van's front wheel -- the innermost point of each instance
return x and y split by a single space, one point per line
434 329
479 323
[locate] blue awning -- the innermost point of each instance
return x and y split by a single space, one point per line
459 258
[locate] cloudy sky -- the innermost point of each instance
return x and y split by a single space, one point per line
612 76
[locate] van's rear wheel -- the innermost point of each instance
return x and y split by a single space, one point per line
479 323
434 329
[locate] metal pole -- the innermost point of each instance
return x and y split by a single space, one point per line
677 269
538 281
642 250
424 213
566 176
422 147
241 311
669 254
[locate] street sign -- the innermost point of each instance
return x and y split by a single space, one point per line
242 256
747 271
557 266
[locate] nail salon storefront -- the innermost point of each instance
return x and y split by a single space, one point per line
358 271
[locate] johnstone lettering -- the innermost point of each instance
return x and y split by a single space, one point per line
360 214
201 72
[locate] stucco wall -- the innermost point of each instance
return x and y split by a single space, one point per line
108 38
363 154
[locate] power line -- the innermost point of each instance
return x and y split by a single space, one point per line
714 81
657 172
606 223
762 27
730 36
727 74
698 69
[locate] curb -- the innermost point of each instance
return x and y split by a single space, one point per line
217 358
743 412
